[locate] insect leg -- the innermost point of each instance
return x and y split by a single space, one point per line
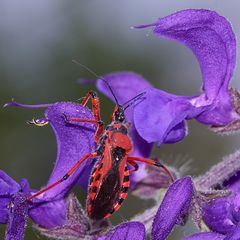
134 164
96 113
65 177
152 162
95 104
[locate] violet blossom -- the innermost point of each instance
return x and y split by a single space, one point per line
161 116
220 214
13 208
50 209
223 215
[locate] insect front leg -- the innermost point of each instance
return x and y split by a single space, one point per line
96 113
95 104
66 176
151 162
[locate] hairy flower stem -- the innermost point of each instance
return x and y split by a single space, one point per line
219 173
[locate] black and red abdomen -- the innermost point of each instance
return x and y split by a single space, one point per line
107 195
108 185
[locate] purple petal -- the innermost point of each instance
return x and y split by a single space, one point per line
17 217
177 133
126 231
173 208
160 117
7 185
233 183
4 201
25 187
234 235
211 39
74 141
50 214
221 112
205 236
126 85
218 217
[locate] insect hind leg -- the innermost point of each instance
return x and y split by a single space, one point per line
135 165
152 162
65 177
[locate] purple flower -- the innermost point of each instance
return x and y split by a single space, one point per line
161 116
223 215
73 141
13 207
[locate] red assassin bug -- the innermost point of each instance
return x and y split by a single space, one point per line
109 181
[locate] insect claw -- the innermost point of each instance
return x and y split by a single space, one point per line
65 117
100 122
30 122
158 164
80 99
38 122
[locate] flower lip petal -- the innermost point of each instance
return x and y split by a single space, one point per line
161 113
174 206
126 231
7 184
211 39
125 85
74 140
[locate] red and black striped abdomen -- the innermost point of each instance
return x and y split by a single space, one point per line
106 193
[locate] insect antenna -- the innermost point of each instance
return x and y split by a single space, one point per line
99 77
133 100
